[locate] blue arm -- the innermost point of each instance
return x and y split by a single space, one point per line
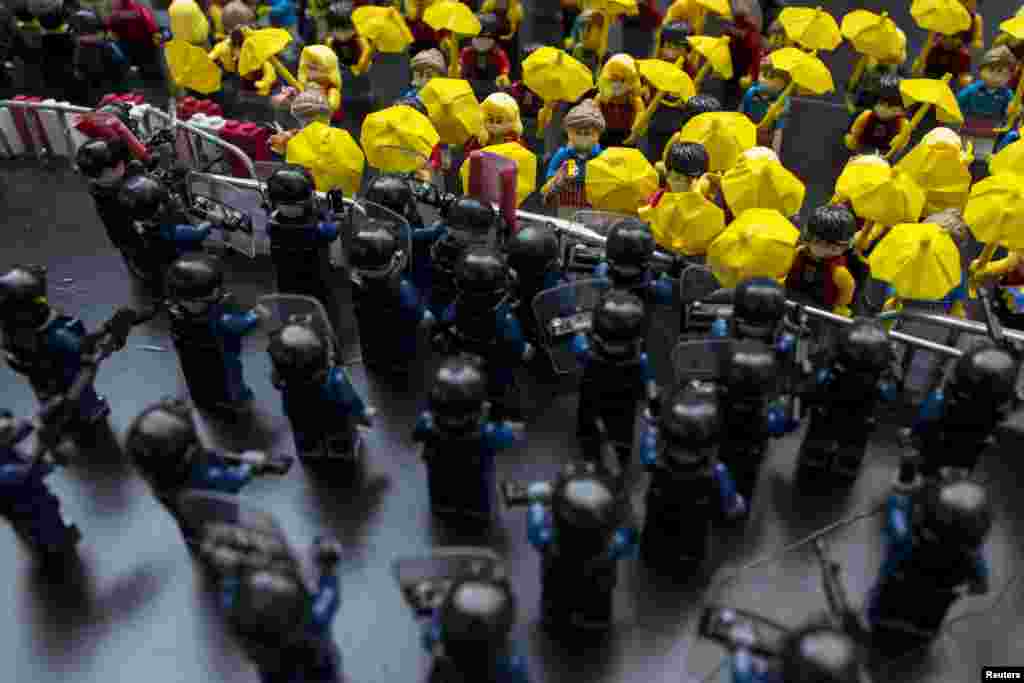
499 435
327 231
516 670
897 518
189 235
326 602
434 232
649 446
963 97
785 343
624 543
539 529
512 334
229 593
601 270
239 324
664 291
13 475
581 346
980 582
733 504
218 476
424 426
411 302
344 394
720 329
747 104
556 162
743 667
430 636
930 412
116 54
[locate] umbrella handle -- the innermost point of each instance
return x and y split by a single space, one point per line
642 121
284 73
863 238
1014 107
773 111
979 266
918 66
702 73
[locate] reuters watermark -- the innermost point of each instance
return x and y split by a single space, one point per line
1002 673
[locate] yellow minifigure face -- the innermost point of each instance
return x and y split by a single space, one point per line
772 81
497 123
583 138
422 75
618 88
887 111
821 250
996 75
316 71
679 182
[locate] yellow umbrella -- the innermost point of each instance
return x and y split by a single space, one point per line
389 132
526 168
919 260
555 76
450 15
805 70
667 79
684 222
762 184
995 210
453 109
941 171
620 179
613 8
880 193
384 27
722 8
1014 26
716 54
814 29
1009 159
929 92
331 155
759 243
874 35
948 17
725 135
191 67
263 45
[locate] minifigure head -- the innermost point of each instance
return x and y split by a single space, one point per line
482 278
269 614
532 252
628 249
776 36
85 22
691 423
319 63
829 230
236 15
820 654
458 394
591 19
469 220
145 199
425 65
759 305
23 300
97 161
997 67
952 221
770 79
890 102
699 104
619 77
747 17
163 443
195 283
984 378
675 40
618 326
685 164
584 124
49 13
311 105
476 618
863 349
501 115
290 190
339 20
750 370
229 549
957 514
586 514
374 252
298 355
490 27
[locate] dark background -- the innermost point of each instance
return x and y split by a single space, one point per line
137 613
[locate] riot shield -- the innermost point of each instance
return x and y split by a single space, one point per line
696 285
364 213
700 360
734 627
223 205
426 580
562 312
581 256
598 221
286 309
922 370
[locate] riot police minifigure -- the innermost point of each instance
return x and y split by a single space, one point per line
393 192
843 400
533 253
319 399
460 443
482 322
616 376
387 306
466 222
758 311
105 164
163 232
577 525
44 345
934 555
25 500
687 483
207 334
469 635
956 423
299 235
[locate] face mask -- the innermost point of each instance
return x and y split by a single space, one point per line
483 44
618 88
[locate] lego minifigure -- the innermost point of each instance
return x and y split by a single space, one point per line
481 321
956 423
424 37
529 102
1008 276
686 166
776 38
578 529
469 634
387 306
188 22
465 222
425 65
394 193
616 376
687 483
758 313
510 16
353 51
137 33
760 97
985 103
318 65
501 123
484 59
933 556
588 39
696 105
533 253
207 334
945 55
746 48
818 653
322 406
307 107
99 65
619 98
460 442
671 114
228 52
862 90
564 181
299 235
843 399
941 165
688 11
105 165
819 273
629 250
58 42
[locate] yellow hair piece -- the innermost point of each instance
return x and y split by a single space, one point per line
620 67
504 105
323 57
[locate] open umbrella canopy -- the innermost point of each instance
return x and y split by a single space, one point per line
948 17
874 35
919 260
759 243
191 67
880 193
667 77
260 45
1014 27
620 179
725 136
716 52
556 76
942 171
762 184
995 210
398 139
454 16
331 155
384 27
526 168
935 92
811 28
684 222
1009 159
614 8
806 70
722 8
453 109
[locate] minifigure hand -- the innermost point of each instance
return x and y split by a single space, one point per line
368 415
502 81
529 352
851 142
428 320
899 142
746 82
1013 109
850 107
261 312
843 311
738 509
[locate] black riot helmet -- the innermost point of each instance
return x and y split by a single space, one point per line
618 327
820 654
956 514
85 22
390 191
458 394
271 608
864 347
476 618
144 198
699 104
374 251
832 223
482 277
471 216
985 374
195 278
298 354
19 8
490 25
759 305
339 15
50 13
532 251
691 421
688 158
586 514
163 444
23 296
94 157
676 33
750 369
290 184
628 249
